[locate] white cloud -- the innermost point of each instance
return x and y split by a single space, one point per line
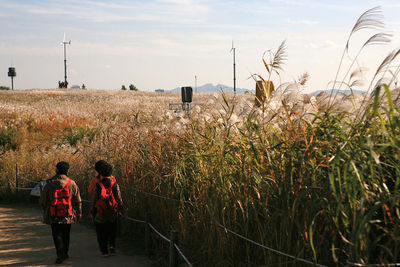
181 2
290 2
304 21
332 44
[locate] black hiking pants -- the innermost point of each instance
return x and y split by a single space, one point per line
106 234
61 238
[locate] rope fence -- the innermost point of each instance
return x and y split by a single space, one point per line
163 197
232 232
158 233
182 255
134 220
268 248
21 188
174 248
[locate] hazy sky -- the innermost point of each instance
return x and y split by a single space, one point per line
165 43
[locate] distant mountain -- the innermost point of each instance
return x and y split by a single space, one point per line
337 91
210 88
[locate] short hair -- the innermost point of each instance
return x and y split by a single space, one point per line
104 168
99 165
62 167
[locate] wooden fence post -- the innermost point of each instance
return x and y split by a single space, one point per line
147 236
173 254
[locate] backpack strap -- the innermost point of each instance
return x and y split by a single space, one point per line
101 185
111 185
67 184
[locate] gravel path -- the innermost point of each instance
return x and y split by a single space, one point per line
26 241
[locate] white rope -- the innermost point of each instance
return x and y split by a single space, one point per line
21 188
161 235
271 249
134 220
26 179
167 198
183 256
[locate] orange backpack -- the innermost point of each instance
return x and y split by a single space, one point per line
106 204
60 205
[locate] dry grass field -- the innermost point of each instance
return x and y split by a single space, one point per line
308 176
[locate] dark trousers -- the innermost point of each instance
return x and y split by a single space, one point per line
61 238
106 234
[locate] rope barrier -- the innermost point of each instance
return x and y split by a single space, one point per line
22 188
157 232
270 249
167 198
161 235
29 180
134 220
183 256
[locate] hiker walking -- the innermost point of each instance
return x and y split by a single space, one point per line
106 205
97 166
61 204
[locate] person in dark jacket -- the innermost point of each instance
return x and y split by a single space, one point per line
106 225
61 221
98 165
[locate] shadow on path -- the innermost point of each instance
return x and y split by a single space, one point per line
26 241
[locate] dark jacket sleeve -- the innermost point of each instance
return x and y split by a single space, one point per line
95 197
118 198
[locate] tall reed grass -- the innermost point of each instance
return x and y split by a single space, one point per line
316 177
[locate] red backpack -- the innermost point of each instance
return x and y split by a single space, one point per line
60 205
106 204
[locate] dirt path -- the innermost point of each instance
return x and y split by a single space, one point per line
26 241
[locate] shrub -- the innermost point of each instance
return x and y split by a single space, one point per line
133 88
8 139
76 134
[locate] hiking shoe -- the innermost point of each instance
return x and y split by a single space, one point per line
105 255
60 260
112 250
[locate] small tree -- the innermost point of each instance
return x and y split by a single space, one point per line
123 87
83 86
133 88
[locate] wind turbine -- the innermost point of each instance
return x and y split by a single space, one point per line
234 68
64 42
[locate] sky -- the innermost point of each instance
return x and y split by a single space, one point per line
164 44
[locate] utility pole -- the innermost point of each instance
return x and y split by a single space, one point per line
65 58
234 68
